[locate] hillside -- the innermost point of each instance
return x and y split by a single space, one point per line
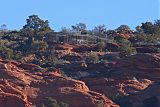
78 67
21 87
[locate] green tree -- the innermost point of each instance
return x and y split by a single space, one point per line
139 30
65 30
35 25
124 29
3 27
80 27
100 30
148 28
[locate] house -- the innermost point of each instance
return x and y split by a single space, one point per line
56 37
72 38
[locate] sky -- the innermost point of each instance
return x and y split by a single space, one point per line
64 13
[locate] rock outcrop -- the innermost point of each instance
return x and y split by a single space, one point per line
131 82
140 66
21 86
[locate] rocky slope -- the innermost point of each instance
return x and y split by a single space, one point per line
132 81
21 85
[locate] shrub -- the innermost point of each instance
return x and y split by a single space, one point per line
122 41
92 57
126 50
62 104
101 46
6 53
100 103
39 46
50 102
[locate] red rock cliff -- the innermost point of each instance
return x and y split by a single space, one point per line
20 86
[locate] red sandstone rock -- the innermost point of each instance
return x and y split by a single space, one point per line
19 88
145 65
136 77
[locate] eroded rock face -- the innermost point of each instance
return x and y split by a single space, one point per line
140 65
147 68
132 82
20 86
111 87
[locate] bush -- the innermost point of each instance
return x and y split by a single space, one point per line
39 46
101 46
122 41
92 57
6 53
50 102
126 50
62 104
100 103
